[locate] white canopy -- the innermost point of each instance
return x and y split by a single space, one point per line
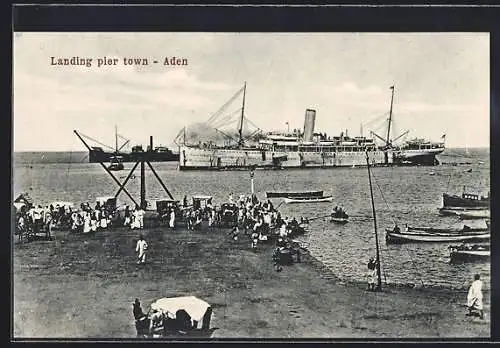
195 307
18 205
202 197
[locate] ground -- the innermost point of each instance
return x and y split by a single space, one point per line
83 286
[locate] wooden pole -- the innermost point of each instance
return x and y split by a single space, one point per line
379 278
159 180
122 186
143 184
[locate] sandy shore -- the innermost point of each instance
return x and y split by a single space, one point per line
83 286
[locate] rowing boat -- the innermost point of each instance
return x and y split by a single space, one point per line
464 253
392 237
458 210
288 200
465 229
474 214
338 220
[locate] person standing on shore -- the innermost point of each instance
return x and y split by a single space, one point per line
141 248
372 274
475 297
172 218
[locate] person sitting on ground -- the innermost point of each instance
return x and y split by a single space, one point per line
138 313
156 323
234 233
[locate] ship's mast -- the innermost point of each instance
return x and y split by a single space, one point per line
390 118
116 139
379 278
240 131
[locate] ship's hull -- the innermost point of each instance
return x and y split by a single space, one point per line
469 255
96 156
400 238
417 157
192 158
457 201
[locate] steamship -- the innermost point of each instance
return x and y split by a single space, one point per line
97 154
303 149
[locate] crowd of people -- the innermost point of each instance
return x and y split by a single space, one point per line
32 219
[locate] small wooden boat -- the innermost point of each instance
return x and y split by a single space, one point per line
464 229
339 216
466 253
339 220
453 211
288 200
392 237
474 214
115 166
278 194
115 163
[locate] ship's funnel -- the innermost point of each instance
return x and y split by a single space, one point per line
309 120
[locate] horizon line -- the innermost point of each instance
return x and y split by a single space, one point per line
447 148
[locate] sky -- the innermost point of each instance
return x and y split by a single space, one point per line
441 84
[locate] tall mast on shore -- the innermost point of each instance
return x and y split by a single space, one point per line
240 131
116 139
390 118
379 278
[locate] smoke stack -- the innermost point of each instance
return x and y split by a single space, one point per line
309 120
150 143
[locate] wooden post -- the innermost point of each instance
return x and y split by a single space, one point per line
159 180
251 181
143 184
379 278
122 186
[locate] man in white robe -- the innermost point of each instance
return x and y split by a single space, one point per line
475 297
171 223
140 218
141 248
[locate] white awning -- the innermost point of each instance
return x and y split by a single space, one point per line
202 197
19 205
195 307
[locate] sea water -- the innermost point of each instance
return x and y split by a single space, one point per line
409 195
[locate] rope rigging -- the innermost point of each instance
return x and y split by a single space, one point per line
226 119
96 141
217 114
394 221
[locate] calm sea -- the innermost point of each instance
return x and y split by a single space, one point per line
404 194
